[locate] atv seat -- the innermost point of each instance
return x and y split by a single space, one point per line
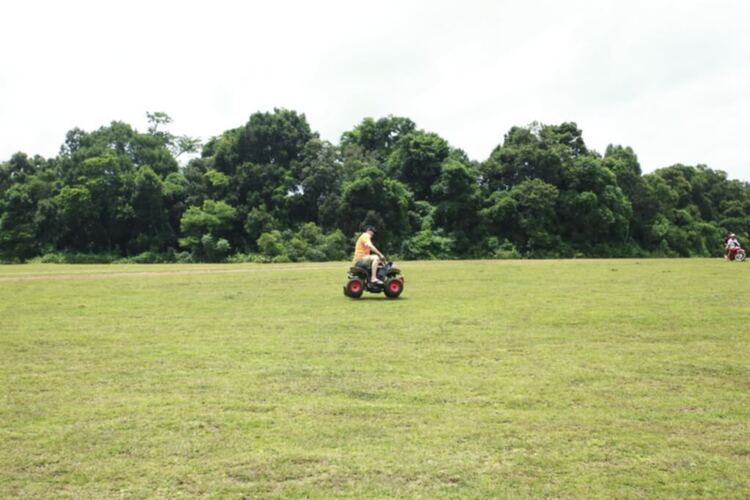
360 271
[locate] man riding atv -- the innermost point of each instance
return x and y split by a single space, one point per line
733 249
371 271
363 256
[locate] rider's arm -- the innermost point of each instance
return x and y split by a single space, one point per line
372 247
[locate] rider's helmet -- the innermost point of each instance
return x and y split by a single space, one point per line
732 235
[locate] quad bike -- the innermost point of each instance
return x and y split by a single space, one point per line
736 254
358 280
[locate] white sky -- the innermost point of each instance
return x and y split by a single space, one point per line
670 79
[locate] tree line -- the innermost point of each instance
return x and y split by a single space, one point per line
272 190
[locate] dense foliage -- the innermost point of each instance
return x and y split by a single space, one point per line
273 190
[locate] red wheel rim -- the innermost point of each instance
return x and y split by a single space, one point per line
355 286
394 286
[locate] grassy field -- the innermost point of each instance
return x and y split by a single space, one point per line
587 378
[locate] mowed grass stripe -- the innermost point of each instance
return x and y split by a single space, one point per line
116 271
488 378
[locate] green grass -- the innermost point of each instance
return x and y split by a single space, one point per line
588 378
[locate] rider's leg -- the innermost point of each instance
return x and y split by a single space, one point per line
374 274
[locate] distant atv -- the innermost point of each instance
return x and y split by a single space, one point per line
736 254
358 280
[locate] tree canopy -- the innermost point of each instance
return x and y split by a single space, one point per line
272 189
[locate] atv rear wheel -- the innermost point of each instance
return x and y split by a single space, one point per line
354 288
393 288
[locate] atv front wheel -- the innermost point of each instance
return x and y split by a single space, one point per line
354 288
740 256
393 288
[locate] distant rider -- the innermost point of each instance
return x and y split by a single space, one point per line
363 256
732 246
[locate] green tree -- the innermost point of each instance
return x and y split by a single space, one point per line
276 138
373 198
26 184
319 190
151 216
526 216
524 155
595 213
177 144
377 138
416 161
457 203
205 230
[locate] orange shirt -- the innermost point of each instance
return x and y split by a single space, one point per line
361 248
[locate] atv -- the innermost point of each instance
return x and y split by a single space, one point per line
736 254
358 280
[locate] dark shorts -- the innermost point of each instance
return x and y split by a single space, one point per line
365 261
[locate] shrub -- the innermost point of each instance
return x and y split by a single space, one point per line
309 243
506 250
270 244
428 244
152 258
213 249
183 258
77 258
335 246
241 258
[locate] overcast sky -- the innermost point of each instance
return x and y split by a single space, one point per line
669 79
